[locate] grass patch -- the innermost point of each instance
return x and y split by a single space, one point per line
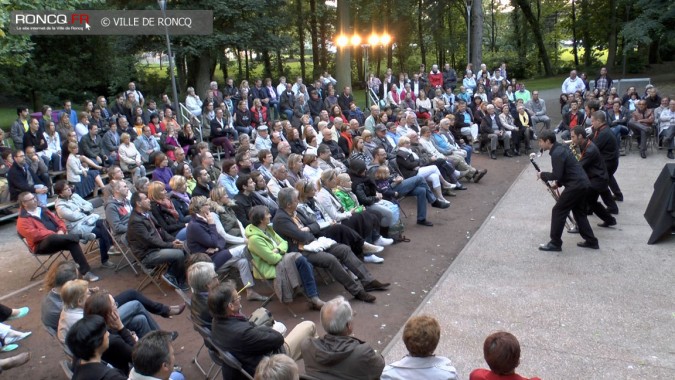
7 117
545 83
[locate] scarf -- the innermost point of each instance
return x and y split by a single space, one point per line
348 136
182 196
524 119
407 150
168 206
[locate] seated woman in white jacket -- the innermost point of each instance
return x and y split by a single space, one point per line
130 157
78 215
85 180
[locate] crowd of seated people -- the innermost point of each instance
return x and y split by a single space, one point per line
303 157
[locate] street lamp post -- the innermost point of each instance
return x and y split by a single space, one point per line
374 39
469 4
162 6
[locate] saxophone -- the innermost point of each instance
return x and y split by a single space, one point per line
573 148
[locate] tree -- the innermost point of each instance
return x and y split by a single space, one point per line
538 36
653 25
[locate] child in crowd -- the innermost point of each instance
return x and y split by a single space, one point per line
502 354
383 180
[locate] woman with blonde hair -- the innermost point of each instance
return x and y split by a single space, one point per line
85 181
164 211
294 167
311 171
179 196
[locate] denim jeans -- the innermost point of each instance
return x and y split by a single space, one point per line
242 129
620 130
306 272
289 114
149 305
469 150
136 318
418 187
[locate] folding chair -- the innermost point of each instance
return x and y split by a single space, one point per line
267 283
195 359
152 275
67 364
44 264
220 358
121 245
92 247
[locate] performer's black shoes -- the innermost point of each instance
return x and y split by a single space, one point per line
670 154
643 154
587 244
618 197
607 224
549 247
425 222
573 230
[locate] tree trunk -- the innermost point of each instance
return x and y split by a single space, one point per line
267 61
248 68
574 35
538 36
611 45
203 76
323 32
420 31
301 35
493 26
280 64
314 34
585 33
239 67
477 19
223 64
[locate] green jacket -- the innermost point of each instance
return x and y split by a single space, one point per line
345 199
262 249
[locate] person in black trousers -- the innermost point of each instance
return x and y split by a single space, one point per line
595 169
606 142
567 172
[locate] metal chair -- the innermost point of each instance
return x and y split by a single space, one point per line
44 264
121 245
268 283
195 359
220 358
152 275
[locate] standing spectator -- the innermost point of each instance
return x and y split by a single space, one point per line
573 84
19 127
344 100
193 103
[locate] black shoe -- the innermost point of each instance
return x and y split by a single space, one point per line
618 197
425 222
375 285
493 155
507 153
174 335
516 152
643 154
449 193
171 280
573 230
479 174
365 296
607 224
670 154
549 247
438 204
587 244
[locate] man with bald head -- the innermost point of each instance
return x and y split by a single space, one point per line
284 150
338 354
335 150
573 84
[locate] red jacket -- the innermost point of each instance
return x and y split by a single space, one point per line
34 230
436 80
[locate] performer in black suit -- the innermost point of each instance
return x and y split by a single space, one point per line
567 172
606 142
594 166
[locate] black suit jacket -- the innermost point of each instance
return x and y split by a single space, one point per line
145 237
566 170
606 143
285 226
246 341
16 178
594 166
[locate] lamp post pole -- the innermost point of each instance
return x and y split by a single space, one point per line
469 3
162 6
366 47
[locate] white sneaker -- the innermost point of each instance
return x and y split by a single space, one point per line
91 277
373 259
383 241
369 248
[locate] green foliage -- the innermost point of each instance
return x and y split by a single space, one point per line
15 50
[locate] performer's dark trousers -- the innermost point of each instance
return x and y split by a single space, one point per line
571 200
595 206
612 166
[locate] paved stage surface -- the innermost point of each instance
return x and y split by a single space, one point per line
579 313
